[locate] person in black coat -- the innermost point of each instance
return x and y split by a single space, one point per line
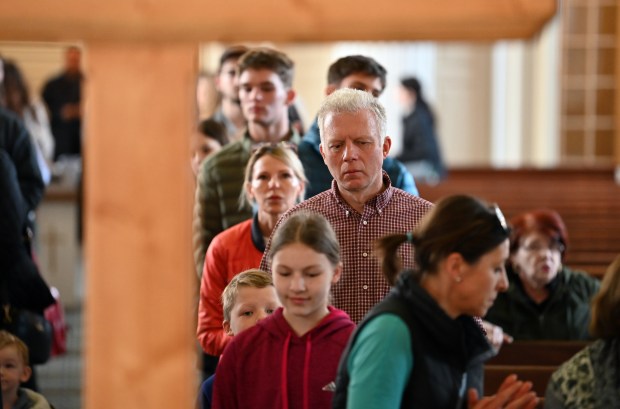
21 190
421 150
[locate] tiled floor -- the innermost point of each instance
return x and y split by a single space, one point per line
60 379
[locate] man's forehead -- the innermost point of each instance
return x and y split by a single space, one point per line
230 64
262 76
365 124
363 81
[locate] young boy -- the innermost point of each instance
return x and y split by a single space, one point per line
14 369
248 298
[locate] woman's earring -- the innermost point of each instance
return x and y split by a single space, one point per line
458 279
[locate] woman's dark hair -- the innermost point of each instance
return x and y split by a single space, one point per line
412 84
214 129
457 224
605 323
544 221
310 229
14 82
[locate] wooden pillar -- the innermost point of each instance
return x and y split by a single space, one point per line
139 343
617 98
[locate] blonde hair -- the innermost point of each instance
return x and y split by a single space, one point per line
281 152
7 340
250 278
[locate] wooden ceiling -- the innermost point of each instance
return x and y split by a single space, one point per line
272 20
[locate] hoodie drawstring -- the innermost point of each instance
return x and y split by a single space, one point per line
284 374
307 371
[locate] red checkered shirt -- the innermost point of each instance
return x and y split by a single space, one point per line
362 283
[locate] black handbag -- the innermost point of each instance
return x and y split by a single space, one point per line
32 328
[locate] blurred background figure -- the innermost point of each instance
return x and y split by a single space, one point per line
591 379
209 138
206 95
229 108
62 95
546 300
421 151
33 115
295 118
21 190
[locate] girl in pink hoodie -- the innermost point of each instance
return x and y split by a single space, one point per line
289 359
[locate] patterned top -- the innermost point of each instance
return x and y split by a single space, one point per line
589 380
362 283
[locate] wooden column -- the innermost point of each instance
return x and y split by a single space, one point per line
139 343
617 98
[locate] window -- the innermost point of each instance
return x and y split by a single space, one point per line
588 81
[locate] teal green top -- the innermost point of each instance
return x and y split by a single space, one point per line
379 364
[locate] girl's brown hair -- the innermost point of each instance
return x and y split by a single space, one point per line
310 229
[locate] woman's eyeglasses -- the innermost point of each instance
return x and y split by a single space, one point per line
554 246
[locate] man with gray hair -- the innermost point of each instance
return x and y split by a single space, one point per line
361 205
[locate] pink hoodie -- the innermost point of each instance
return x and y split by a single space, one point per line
268 366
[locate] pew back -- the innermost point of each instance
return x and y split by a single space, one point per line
587 199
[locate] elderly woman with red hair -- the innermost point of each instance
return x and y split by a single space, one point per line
546 299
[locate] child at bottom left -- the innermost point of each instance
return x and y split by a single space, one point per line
15 369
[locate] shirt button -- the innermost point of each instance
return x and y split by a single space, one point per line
365 287
365 254
365 222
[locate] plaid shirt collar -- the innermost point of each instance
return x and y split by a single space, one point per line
377 203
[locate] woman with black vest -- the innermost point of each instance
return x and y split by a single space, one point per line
421 347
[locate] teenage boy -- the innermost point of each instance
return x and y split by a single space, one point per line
265 92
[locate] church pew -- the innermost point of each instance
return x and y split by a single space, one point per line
587 199
540 352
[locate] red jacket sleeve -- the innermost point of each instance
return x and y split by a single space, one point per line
210 332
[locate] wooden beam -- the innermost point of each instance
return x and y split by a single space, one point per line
140 333
617 101
279 21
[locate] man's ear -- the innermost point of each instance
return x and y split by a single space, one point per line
227 329
387 145
321 150
290 96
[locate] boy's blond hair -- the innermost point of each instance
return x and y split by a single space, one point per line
7 340
250 278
